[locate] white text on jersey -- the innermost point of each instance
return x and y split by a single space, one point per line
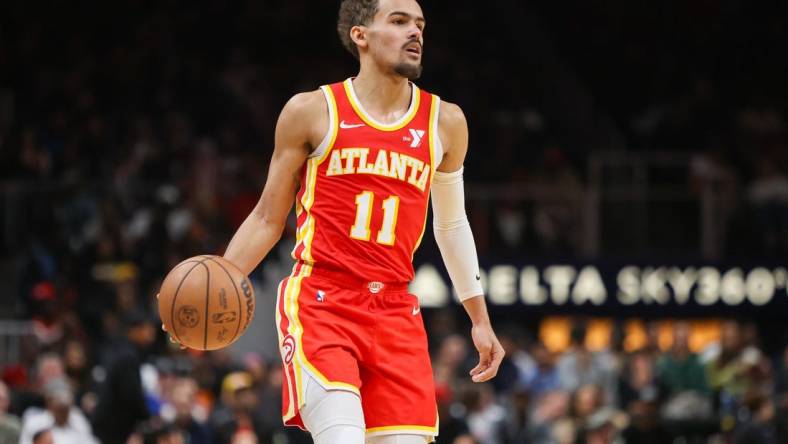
387 163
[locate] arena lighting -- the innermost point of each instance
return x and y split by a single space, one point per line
506 284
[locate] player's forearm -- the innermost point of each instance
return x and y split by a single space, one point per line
253 240
477 310
453 234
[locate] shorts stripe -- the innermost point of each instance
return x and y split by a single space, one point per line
289 323
283 330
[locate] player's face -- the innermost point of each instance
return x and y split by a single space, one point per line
396 36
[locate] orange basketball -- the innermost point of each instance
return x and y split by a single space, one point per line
206 302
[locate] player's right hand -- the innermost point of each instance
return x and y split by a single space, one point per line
164 329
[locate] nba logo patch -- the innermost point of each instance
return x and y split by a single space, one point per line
321 295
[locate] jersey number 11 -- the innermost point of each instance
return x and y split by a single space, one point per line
360 229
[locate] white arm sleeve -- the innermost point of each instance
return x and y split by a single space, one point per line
453 233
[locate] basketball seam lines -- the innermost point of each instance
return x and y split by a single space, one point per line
175 298
237 296
207 300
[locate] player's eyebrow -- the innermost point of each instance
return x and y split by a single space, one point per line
408 15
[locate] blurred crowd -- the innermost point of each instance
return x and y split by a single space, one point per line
135 387
102 109
728 392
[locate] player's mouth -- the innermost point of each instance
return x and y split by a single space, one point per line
413 48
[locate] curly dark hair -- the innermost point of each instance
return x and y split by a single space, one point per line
354 13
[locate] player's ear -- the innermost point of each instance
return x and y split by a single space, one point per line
359 36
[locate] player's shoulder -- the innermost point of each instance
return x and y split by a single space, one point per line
451 117
305 104
305 115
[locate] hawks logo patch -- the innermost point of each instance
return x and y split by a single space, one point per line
288 349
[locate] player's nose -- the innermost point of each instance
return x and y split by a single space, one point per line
414 33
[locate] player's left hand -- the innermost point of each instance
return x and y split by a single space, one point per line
164 329
490 352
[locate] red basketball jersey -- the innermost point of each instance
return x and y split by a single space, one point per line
362 205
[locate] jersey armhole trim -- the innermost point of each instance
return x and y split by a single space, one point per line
328 139
437 154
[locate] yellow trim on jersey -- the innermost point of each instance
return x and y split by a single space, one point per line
335 128
359 109
308 197
404 428
432 129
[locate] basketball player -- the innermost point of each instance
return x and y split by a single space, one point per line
362 157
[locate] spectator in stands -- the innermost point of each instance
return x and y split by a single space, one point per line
638 381
593 417
453 426
578 366
156 431
122 389
238 416
486 418
679 370
645 426
517 404
600 428
729 371
549 420
43 437
759 427
66 421
781 378
77 369
683 377
10 427
517 364
545 377
452 354
585 401
47 320
48 366
781 396
270 394
183 401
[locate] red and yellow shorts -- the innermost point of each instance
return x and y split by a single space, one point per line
364 337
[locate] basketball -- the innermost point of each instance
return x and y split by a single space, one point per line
206 303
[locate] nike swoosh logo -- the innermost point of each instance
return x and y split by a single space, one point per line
344 125
416 310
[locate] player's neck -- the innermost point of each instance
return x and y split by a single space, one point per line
386 97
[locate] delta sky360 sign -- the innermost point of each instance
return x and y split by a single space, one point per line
623 286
